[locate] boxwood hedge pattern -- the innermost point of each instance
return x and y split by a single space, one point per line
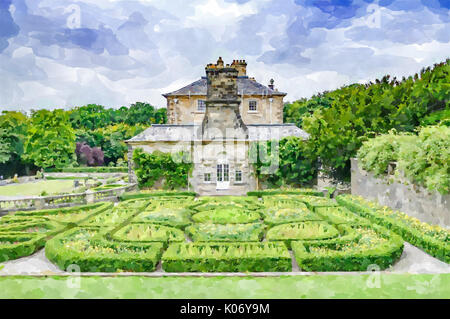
433 239
226 257
228 233
87 249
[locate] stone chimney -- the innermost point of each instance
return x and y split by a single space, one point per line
241 66
222 117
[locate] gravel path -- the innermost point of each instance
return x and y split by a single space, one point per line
413 260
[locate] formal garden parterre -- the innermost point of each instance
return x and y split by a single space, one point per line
183 233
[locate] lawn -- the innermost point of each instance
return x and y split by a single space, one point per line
36 188
327 286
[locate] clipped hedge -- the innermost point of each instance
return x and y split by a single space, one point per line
378 248
301 191
226 257
84 247
227 232
69 215
116 215
226 202
226 216
309 230
340 215
433 239
144 195
173 217
32 227
283 211
16 245
145 232
92 169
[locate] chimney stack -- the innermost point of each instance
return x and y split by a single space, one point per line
241 66
271 84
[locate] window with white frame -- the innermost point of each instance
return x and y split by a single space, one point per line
201 105
252 106
238 176
207 177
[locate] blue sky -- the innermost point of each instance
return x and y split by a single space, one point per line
60 53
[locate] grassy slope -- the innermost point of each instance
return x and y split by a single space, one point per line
328 286
36 188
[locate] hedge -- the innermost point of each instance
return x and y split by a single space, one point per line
269 192
227 232
137 195
173 217
340 215
70 215
79 246
34 227
226 216
92 169
285 211
223 202
144 232
309 230
353 256
16 245
226 257
400 223
119 214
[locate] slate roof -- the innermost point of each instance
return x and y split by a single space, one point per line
249 86
188 132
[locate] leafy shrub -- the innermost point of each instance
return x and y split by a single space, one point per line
156 166
433 239
428 161
89 156
226 232
288 154
283 211
309 230
148 233
84 247
423 159
226 257
376 154
371 248
226 216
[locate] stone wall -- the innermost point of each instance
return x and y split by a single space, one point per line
399 194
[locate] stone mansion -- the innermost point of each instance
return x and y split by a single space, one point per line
215 119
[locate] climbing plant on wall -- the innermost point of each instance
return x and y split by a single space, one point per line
283 162
172 169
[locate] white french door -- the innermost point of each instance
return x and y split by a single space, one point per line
223 176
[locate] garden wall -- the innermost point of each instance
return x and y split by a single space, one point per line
414 200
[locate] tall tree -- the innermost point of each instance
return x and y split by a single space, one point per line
51 140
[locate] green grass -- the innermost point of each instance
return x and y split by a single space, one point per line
36 188
329 286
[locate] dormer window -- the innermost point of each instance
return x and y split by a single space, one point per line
252 106
201 105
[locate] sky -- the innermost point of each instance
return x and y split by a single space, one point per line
63 53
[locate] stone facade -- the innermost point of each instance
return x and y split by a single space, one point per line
220 134
259 104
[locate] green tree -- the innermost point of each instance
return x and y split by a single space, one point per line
50 140
4 148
